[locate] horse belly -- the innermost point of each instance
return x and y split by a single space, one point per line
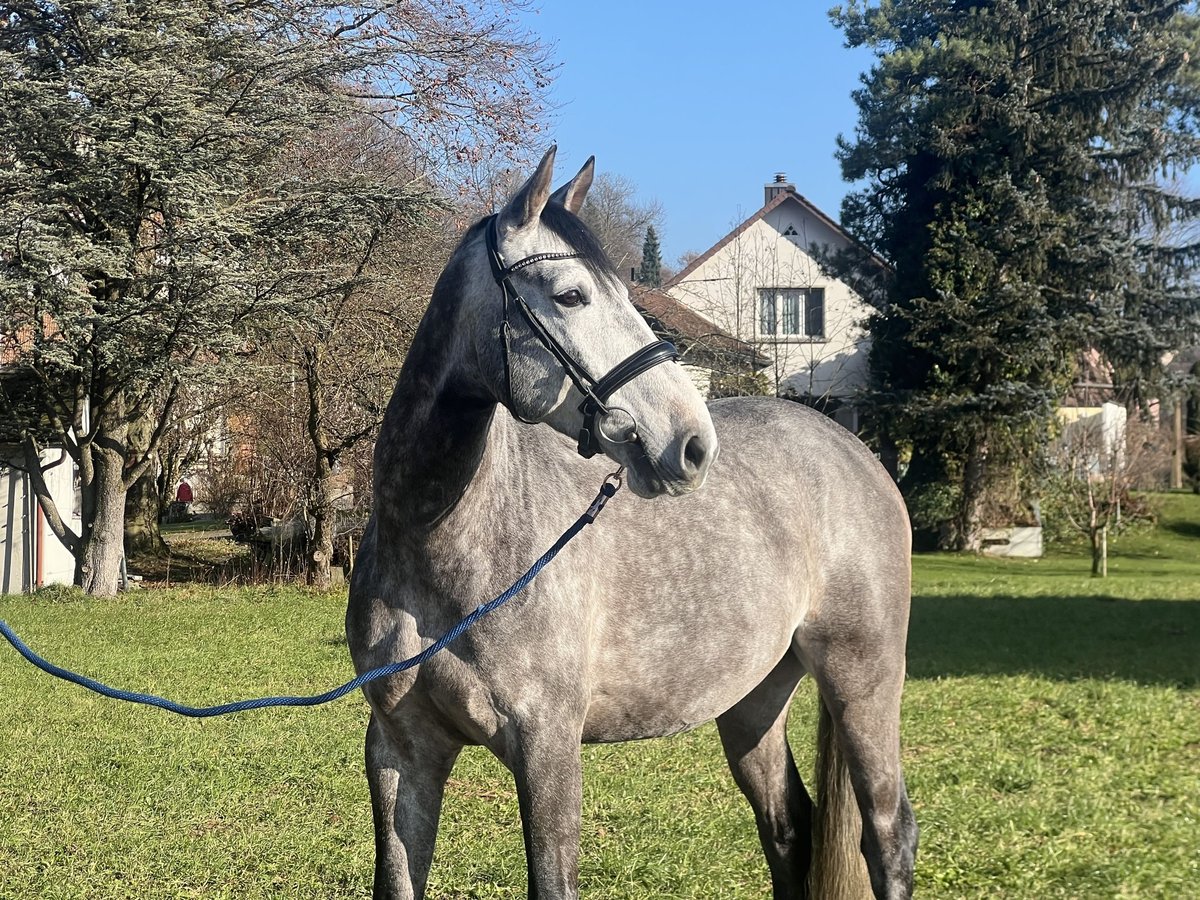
667 677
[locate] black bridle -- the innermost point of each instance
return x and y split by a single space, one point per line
596 391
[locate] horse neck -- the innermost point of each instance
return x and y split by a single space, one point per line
441 444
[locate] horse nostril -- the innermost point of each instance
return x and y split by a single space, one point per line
694 455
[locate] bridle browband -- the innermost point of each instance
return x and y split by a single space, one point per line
596 391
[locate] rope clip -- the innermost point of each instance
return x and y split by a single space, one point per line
608 490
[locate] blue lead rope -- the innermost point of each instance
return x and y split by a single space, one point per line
607 490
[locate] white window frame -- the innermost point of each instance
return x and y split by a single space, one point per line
771 320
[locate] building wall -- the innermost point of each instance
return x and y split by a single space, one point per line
16 524
725 289
1098 430
21 527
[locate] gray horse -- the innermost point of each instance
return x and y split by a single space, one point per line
793 558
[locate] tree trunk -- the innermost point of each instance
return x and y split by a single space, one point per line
974 493
98 565
1096 538
320 544
1177 446
889 455
142 503
142 532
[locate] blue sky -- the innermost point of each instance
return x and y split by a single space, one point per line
699 104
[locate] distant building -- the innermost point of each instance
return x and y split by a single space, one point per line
30 554
763 285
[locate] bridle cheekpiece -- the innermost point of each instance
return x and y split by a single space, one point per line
596 391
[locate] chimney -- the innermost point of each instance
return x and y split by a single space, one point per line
779 186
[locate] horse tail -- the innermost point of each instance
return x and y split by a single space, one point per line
838 871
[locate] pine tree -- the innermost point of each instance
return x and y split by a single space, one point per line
1010 149
650 272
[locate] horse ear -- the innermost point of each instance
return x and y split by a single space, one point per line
527 204
572 194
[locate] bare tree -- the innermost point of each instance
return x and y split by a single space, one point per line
619 219
1095 468
336 367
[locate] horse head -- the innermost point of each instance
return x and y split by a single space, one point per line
561 343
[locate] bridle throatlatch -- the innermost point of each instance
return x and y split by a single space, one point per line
596 391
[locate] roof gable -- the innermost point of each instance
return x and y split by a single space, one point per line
781 199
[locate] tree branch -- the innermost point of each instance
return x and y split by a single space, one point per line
45 500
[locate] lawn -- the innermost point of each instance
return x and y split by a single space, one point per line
1052 746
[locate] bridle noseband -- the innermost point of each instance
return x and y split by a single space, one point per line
596 391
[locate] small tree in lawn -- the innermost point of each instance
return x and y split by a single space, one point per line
650 273
1093 474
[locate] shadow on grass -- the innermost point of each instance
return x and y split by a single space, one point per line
1184 529
1146 641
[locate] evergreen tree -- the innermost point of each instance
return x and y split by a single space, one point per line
1010 148
650 272
148 231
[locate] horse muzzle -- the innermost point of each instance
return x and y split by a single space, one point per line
676 469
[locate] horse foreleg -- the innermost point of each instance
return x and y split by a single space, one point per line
754 735
548 773
407 770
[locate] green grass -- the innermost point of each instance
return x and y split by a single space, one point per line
199 525
1051 727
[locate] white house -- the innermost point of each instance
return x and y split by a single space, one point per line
762 284
30 554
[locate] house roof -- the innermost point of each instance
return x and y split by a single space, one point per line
781 198
681 321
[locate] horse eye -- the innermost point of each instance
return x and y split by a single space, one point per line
569 298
